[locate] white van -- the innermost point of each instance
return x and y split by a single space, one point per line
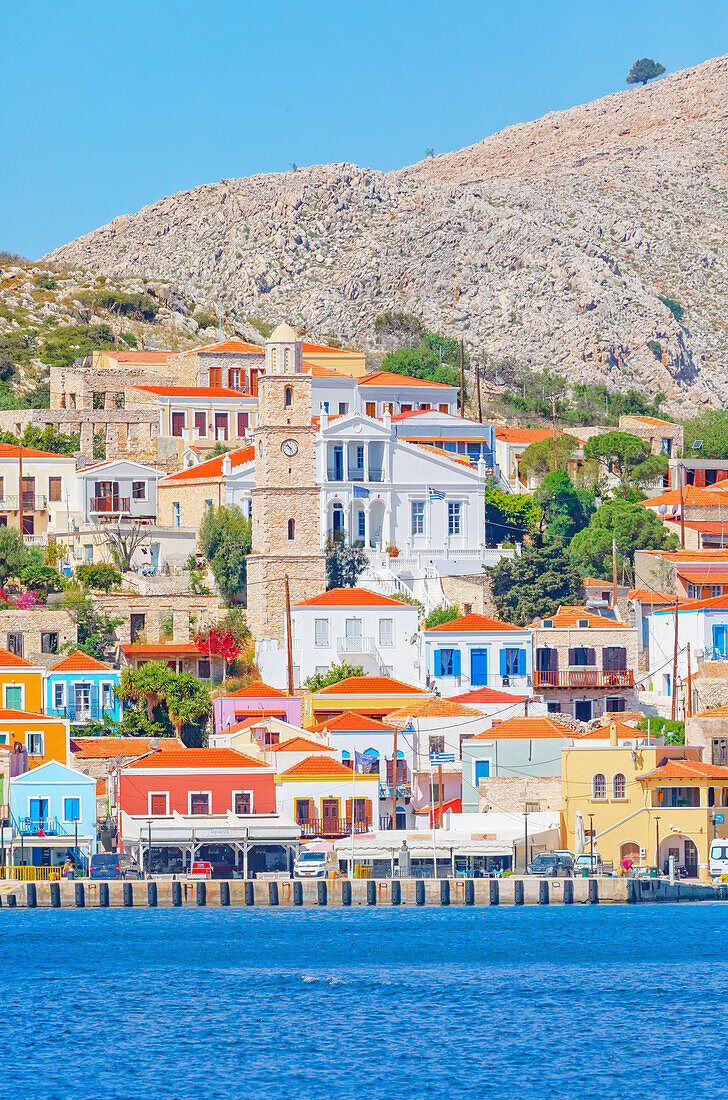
315 864
718 859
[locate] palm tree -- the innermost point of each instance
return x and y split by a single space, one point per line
149 682
187 700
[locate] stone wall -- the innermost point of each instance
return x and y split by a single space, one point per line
266 578
191 496
510 794
654 572
32 624
470 594
188 614
654 433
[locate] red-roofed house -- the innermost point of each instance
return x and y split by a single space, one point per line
184 497
83 689
256 700
199 415
372 696
327 799
50 490
476 651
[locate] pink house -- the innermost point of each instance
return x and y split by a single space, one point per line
257 700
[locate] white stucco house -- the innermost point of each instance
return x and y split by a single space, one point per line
703 624
326 799
476 651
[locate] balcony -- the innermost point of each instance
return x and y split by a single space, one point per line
48 826
583 678
109 504
359 645
332 827
94 712
32 502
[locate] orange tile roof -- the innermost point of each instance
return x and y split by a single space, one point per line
487 695
717 575
139 356
322 767
713 603
319 349
694 556
644 595
163 649
409 413
352 597
190 391
257 690
603 733
103 748
468 623
525 728
213 467
568 616
11 660
527 435
300 744
9 450
691 494
371 685
231 345
317 371
401 381
198 758
705 526
716 712
653 420
10 715
81 662
686 769
352 723
434 707
461 459
595 582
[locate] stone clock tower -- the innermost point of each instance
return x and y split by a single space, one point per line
285 498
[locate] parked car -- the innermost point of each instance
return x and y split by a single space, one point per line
200 869
315 864
592 864
114 865
552 864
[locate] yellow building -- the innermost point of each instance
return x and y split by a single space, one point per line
21 683
45 738
644 802
373 696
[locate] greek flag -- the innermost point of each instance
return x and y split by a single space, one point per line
360 491
442 757
435 494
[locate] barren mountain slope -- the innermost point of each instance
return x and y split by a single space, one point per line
550 242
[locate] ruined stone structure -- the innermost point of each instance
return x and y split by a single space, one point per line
285 498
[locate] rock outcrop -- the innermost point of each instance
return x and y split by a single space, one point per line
552 242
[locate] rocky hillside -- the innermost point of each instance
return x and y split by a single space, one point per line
592 241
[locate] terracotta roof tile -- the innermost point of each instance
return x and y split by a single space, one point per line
322 767
527 728
9 450
80 662
103 748
191 391
401 381
468 623
352 723
716 712
654 421
352 597
691 494
717 575
11 660
527 435
322 349
162 649
686 769
198 758
257 690
487 695
11 715
371 685
213 467
231 345
603 733
697 557
300 744
568 616
434 707
644 595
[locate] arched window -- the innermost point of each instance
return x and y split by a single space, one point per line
371 763
346 758
288 399
291 529
599 786
619 786
630 850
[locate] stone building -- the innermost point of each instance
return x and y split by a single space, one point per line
38 635
286 496
664 437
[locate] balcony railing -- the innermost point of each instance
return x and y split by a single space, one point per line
332 827
110 504
354 473
584 678
356 645
94 712
47 826
32 502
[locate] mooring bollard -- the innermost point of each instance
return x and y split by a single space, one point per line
469 892
272 893
445 892
55 895
80 895
518 891
322 893
202 893
543 892
494 892
396 892
419 892
128 895
568 892
103 895
298 894
249 894
176 894
31 896
224 893
371 892
152 895
12 901
345 892
593 891
633 894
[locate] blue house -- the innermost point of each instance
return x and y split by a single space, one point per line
82 689
477 651
53 815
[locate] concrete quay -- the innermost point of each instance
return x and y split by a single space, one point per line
257 893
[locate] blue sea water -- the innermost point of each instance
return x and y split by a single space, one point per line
526 1003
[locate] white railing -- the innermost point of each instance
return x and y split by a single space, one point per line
356 645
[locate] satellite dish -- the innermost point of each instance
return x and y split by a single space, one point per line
662 509
153 743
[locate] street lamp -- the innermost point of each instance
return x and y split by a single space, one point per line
149 850
75 840
525 854
591 844
657 844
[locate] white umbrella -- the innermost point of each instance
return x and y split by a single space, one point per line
579 834
319 846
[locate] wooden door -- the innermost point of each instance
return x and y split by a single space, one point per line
330 815
158 805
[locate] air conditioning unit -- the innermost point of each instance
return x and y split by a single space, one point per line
643 853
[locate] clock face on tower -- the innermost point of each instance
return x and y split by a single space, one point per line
289 447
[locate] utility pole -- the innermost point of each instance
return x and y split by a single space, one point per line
20 487
525 853
553 421
690 687
614 573
439 784
480 406
289 639
394 778
462 380
673 709
682 507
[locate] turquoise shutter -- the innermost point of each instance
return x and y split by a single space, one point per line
456 662
438 662
521 662
503 664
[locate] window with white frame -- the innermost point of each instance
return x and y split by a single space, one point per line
177 513
34 744
454 517
58 694
243 802
139 490
619 786
200 802
386 631
418 517
599 786
321 632
106 696
72 809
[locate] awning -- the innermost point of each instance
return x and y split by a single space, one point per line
212 829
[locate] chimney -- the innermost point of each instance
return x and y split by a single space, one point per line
387 419
226 466
613 735
324 418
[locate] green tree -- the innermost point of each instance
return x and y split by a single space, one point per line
41 579
187 701
643 70
13 554
564 510
421 362
618 452
402 328
344 564
632 525
509 517
673 732
538 458
443 613
535 584
334 673
96 631
226 541
712 428
100 575
148 683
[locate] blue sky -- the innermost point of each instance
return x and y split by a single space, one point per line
111 104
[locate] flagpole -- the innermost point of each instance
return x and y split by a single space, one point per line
353 803
432 821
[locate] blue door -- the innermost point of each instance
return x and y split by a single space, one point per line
720 641
482 771
38 810
338 464
478 667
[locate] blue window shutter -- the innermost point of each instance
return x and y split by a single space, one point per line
503 665
456 662
521 662
438 662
